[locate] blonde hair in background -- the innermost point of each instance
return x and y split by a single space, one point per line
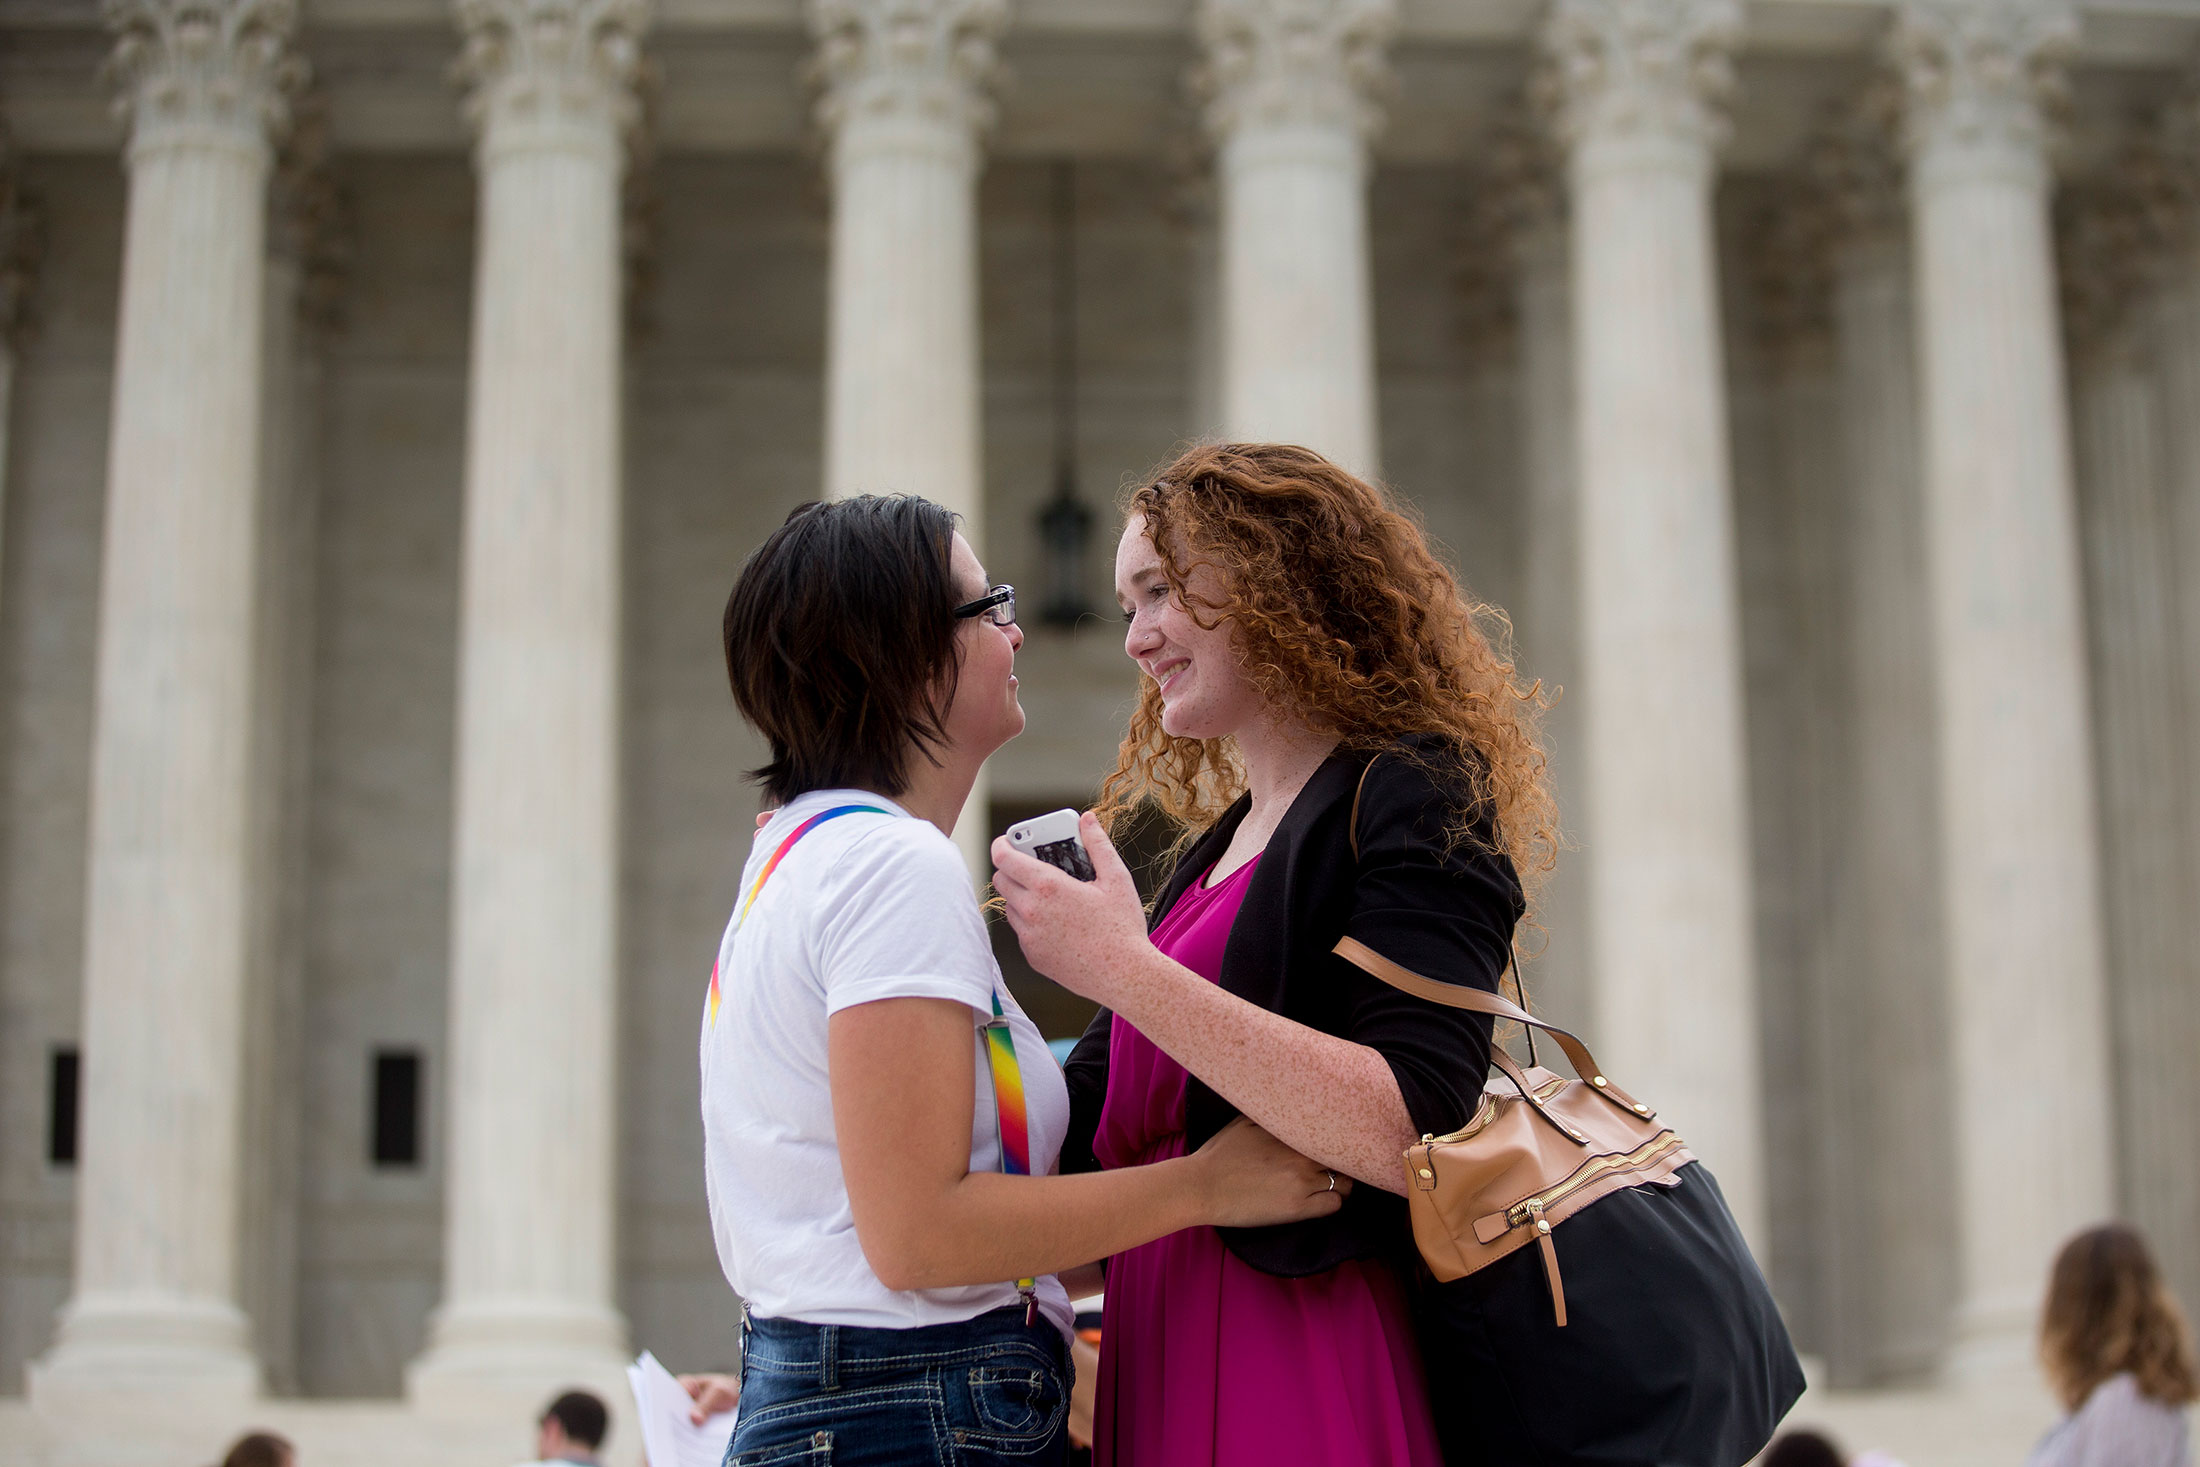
2109 1312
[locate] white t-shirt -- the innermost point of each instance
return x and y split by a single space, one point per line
863 907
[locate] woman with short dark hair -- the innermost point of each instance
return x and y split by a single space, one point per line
2119 1355
881 1122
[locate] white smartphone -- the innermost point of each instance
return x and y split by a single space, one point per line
1053 839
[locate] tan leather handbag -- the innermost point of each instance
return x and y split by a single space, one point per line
1676 1352
1538 1149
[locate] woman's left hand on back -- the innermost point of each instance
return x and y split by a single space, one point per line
1077 933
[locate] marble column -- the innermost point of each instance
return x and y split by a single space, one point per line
905 106
296 317
2019 872
1788 510
1550 635
531 1177
1890 1264
2118 432
1193 210
154 1310
2165 1198
21 236
1289 107
1638 88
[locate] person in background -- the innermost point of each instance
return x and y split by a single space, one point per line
2117 1353
572 1429
712 1393
261 1449
1802 1449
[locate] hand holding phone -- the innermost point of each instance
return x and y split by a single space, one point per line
1053 839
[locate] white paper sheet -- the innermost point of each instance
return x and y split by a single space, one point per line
669 1439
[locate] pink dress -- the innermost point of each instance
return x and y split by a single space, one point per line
1207 1362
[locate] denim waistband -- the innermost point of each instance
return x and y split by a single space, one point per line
823 1353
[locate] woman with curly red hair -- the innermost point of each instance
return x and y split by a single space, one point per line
1345 751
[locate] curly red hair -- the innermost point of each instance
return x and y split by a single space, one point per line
1343 614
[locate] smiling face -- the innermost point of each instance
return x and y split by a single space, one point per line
985 713
1204 691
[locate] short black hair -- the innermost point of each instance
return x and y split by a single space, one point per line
840 643
260 1449
583 1415
1802 1449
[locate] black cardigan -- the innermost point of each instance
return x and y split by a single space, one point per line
1442 906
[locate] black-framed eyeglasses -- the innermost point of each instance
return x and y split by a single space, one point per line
997 605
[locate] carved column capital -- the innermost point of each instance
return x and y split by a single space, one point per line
1524 188
2176 143
1192 195
1485 277
1855 161
201 71
1983 74
309 218
1786 242
1276 62
2101 245
551 73
22 247
1515 217
925 61
1654 67
641 222
2120 236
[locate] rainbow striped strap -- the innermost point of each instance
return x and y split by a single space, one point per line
787 845
1008 1095
772 865
1009 1112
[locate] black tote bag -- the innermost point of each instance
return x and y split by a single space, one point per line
1673 1354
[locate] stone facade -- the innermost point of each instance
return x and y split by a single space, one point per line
1814 383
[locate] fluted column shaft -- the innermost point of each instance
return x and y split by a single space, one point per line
1675 1006
1551 639
1196 216
1290 117
21 237
529 1257
905 107
2125 247
2019 868
2138 727
1890 1289
154 1305
2165 1198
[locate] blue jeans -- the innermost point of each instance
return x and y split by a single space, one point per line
991 1390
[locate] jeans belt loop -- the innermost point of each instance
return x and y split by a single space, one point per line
828 1358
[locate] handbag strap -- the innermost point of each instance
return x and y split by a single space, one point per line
1475 1000
1511 1069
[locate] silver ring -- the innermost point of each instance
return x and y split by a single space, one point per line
1332 1180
